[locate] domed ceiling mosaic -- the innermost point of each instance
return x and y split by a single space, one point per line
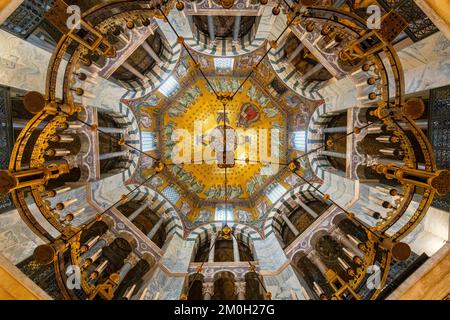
263 110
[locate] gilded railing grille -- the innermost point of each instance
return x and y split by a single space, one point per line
420 26
27 17
439 127
6 140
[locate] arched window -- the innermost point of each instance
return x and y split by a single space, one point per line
148 141
169 87
223 65
275 192
299 140
224 214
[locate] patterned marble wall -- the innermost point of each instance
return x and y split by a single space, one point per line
426 66
278 275
17 241
285 285
178 254
24 66
426 63
168 279
165 287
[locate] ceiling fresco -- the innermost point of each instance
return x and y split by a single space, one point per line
263 104
250 114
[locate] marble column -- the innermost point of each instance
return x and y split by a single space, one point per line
155 228
113 130
129 264
309 73
314 257
235 250
105 240
237 28
113 155
208 290
21 123
334 154
296 52
134 71
290 225
138 211
342 238
338 3
213 244
212 35
151 52
239 290
335 130
310 211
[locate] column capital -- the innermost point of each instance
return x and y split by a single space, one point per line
132 259
108 237
239 287
208 288
338 234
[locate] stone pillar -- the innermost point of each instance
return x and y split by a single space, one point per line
155 228
212 35
113 155
134 71
290 225
235 250
208 290
129 264
113 130
338 4
211 253
335 130
314 257
342 238
237 28
239 290
313 70
296 52
310 211
138 211
334 154
151 52
105 240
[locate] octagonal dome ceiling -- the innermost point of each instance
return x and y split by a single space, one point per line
254 118
263 109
